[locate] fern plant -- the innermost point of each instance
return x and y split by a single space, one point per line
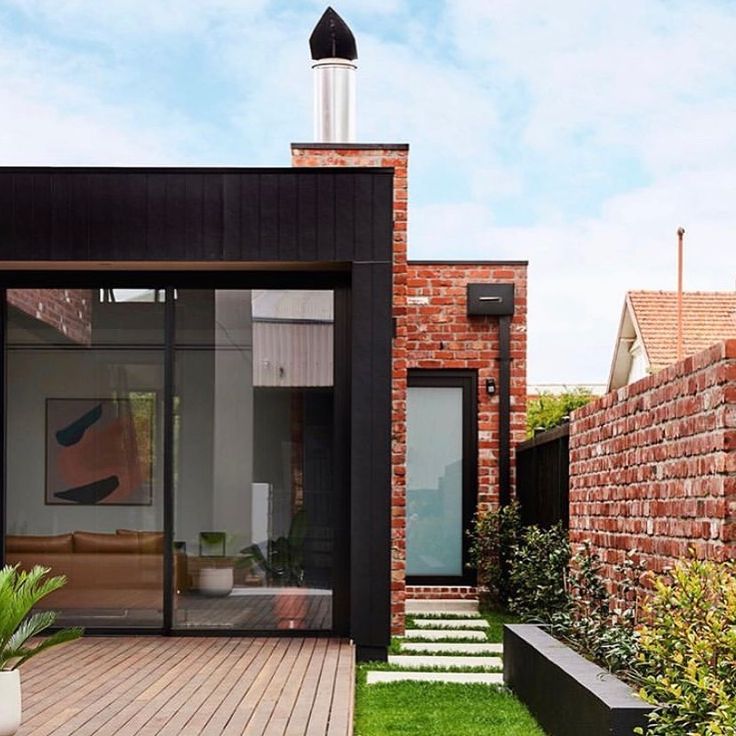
20 591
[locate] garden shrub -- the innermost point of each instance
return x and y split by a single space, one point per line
590 624
688 651
537 573
493 535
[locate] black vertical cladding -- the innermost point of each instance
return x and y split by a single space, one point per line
211 223
247 240
326 217
269 217
341 454
336 219
306 203
363 218
231 217
345 220
370 473
287 221
155 216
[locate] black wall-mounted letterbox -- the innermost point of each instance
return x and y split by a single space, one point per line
491 299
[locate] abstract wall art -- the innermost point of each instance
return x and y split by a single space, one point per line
100 451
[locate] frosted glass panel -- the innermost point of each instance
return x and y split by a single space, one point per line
434 533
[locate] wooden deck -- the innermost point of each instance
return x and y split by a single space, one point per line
187 686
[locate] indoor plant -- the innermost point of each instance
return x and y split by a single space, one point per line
20 591
284 566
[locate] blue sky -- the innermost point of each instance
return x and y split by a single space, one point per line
578 135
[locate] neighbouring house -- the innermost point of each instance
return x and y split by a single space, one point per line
233 404
647 335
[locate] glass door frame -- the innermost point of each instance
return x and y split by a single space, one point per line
467 380
339 281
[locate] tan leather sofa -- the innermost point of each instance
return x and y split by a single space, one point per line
104 571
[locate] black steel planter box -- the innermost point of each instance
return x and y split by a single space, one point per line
567 694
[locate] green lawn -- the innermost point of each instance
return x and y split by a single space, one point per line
438 709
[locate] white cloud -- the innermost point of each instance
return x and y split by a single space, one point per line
511 109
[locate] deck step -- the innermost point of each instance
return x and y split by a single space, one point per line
418 661
451 623
486 678
444 634
452 647
453 606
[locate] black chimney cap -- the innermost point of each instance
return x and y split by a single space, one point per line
332 39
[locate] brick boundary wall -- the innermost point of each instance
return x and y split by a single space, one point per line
653 465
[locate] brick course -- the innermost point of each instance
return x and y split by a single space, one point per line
653 464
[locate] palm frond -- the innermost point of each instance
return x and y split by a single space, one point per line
59 637
20 592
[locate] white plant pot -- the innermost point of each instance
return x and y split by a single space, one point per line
216 581
9 702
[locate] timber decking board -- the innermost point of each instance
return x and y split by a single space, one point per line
151 686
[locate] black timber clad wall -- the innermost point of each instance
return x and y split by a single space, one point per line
195 214
289 215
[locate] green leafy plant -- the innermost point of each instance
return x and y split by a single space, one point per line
538 573
284 562
688 651
20 591
550 410
493 535
590 624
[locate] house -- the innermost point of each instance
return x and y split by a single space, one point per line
233 404
647 334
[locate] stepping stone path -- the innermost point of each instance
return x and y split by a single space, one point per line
426 651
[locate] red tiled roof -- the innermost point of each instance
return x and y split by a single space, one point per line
708 318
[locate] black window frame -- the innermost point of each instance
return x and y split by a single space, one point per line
467 380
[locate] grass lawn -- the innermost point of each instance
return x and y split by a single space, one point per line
438 709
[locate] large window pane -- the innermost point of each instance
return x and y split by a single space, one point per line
434 481
253 458
84 446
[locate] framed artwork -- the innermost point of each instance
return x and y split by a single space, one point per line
99 452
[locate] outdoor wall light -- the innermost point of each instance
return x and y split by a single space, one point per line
491 386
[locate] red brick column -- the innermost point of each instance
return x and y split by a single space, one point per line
395 156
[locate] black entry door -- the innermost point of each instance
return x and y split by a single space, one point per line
441 475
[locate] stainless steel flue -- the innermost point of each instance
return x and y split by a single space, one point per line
334 52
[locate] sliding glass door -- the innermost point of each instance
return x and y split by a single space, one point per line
84 433
181 435
253 468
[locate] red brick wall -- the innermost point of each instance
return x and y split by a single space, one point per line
67 310
653 465
441 335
